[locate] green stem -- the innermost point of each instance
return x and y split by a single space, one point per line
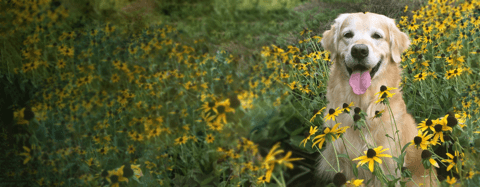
336 157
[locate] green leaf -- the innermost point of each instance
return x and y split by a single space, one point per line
136 179
405 146
343 156
297 131
355 170
397 160
207 180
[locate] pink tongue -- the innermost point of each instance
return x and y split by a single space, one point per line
360 83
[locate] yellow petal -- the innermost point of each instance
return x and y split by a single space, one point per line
433 162
360 158
370 165
449 167
26 149
384 155
377 160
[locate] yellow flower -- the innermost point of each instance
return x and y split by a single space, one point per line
384 93
287 160
131 149
332 113
346 107
421 76
452 180
356 183
372 156
421 140
181 140
210 138
316 113
334 133
439 128
427 124
26 154
312 132
453 160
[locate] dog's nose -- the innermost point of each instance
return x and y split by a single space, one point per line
359 51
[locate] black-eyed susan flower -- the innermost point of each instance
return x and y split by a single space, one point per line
452 160
384 93
115 177
103 150
310 133
439 128
427 124
378 114
454 73
26 154
346 107
339 179
221 109
421 76
315 113
207 106
470 174
355 183
115 78
181 140
451 181
286 160
427 159
371 156
332 113
131 149
333 133
264 178
305 31
210 138
421 140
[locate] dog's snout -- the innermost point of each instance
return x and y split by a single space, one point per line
359 51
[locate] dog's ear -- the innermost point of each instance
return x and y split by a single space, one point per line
330 37
329 42
399 41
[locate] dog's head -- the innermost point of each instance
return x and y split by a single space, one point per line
363 44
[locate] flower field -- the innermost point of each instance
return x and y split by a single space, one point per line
104 104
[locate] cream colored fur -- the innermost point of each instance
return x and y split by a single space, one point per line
390 48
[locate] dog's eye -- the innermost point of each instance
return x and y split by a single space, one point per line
376 36
348 35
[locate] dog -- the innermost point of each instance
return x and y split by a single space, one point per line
366 51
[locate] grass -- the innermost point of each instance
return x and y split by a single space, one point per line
92 101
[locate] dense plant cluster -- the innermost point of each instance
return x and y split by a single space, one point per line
111 106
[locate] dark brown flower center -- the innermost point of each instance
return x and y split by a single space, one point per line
428 122
356 117
339 179
451 121
357 110
331 111
426 154
438 128
211 104
104 173
383 88
345 105
417 140
315 111
114 179
371 153
221 109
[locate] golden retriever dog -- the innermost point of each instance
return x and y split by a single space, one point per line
366 51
